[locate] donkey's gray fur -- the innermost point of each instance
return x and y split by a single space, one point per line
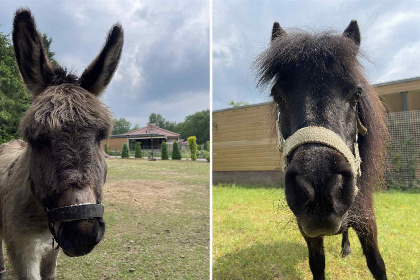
62 161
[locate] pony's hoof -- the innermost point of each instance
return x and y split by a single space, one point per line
345 252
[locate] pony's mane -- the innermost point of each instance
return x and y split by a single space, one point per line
313 53
326 54
61 106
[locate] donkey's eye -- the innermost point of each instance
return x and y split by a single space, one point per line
42 141
356 94
100 136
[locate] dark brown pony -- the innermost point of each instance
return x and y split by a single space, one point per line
51 183
317 81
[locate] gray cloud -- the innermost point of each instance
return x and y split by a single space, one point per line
164 67
389 29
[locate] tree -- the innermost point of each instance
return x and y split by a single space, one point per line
234 104
106 149
158 119
138 153
47 44
125 153
192 144
14 100
121 126
136 126
176 154
164 151
198 125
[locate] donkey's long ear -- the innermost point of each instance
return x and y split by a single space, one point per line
30 54
277 31
352 32
99 73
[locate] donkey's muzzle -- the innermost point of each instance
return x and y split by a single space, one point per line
78 238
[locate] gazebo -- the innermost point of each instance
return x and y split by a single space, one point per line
149 136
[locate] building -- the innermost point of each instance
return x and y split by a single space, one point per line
149 136
244 138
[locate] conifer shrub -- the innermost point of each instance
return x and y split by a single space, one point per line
176 154
106 149
125 153
138 153
164 150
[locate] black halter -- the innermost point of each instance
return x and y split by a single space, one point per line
72 213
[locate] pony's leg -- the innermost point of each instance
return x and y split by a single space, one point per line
316 256
369 241
25 259
2 264
345 244
48 264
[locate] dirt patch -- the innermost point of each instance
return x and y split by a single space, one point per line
146 194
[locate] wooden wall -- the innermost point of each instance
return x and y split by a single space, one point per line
243 139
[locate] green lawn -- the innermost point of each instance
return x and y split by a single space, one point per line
255 236
157 223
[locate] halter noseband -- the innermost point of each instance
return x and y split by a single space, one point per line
73 213
321 135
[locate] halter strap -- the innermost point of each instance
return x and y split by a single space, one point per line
321 135
76 212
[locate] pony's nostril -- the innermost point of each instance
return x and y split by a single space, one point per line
305 187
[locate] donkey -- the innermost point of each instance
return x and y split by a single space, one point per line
51 185
327 113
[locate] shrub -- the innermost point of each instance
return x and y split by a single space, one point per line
138 153
199 148
106 149
208 146
164 151
192 144
176 154
206 155
125 153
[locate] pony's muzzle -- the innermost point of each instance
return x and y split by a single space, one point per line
320 188
78 238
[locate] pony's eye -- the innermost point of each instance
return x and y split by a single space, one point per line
277 97
357 94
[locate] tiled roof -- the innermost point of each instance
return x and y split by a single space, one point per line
156 130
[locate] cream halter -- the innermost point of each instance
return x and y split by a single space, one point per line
321 135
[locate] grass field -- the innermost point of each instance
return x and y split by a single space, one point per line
255 237
157 224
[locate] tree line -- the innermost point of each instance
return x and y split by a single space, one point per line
14 99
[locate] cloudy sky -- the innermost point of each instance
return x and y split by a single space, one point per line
164 67
390 33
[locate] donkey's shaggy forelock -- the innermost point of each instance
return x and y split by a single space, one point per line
64 106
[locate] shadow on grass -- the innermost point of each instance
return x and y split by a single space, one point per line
248 186
261 261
